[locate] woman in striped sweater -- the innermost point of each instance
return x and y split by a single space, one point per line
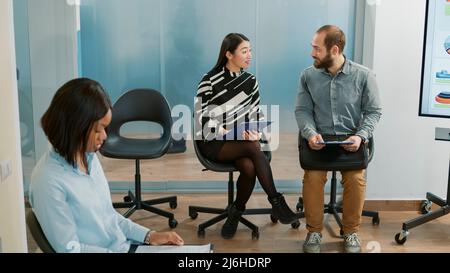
226 97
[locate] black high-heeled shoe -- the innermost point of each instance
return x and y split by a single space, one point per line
281 210
232 222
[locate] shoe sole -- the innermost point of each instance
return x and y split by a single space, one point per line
311 252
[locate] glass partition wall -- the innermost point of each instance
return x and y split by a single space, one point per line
167 45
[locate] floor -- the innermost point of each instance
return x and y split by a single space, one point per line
433 237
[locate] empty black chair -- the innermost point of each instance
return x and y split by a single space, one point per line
140 105
223 213
327 162
37 233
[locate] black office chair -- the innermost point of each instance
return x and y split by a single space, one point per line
37 233
334 207
223 213
140 105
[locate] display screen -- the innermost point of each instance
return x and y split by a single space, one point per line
435 90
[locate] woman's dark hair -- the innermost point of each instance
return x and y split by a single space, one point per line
230 43
74 110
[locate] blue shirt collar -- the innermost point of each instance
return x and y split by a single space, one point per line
63 162
345 68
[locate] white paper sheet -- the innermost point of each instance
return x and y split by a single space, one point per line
175 249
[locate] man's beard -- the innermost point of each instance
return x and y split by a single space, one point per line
325 63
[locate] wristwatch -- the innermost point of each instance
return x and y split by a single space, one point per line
147 238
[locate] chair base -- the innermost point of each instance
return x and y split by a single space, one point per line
134 203
222 215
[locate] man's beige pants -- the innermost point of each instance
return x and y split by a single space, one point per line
354 184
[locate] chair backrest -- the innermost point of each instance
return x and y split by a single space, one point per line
138 105
141 105
334 158
37 233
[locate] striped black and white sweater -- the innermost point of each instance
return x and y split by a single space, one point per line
226 99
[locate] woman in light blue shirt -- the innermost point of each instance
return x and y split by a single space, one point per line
69 192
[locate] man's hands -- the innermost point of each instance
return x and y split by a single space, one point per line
313 143
350 148
165 238
353 147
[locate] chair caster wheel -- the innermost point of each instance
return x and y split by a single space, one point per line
401 237
127 199
255 235
376 221
173 223
173 205
425 207
201 233
295 225
300 205
193 215
273 219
